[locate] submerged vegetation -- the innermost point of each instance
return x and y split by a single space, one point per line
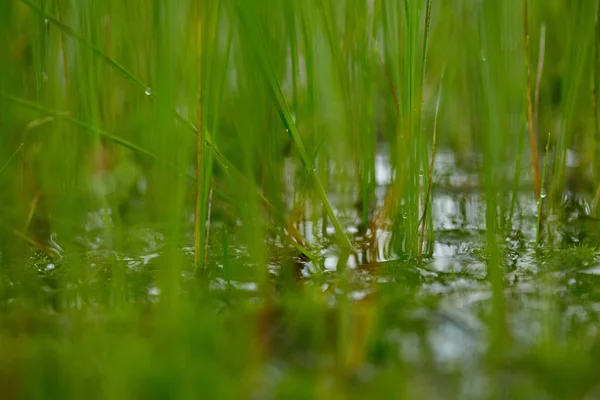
299 199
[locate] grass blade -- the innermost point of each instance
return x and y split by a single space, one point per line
11 157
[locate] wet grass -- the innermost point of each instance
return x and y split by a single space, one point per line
307 199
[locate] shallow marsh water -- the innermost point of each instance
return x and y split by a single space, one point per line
428 318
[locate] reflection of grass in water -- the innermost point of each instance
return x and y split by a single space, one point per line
123 121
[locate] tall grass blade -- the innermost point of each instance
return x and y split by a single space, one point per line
427 201
199 225
11 157
533 142
540 202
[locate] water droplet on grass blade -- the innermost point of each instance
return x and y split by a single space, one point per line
148 91
543 194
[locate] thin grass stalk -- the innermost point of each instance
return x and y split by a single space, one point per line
533 143
538 79
215 73
207 237
540 202
425 39
409 130
538 83
313 83
395 46
491 30
596 112
422 145
421 142
13 155
427 202
199 145
595 85
290 18
388 78
414 138
64 47
42 49
516 180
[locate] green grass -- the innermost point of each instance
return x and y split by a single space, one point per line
299 199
